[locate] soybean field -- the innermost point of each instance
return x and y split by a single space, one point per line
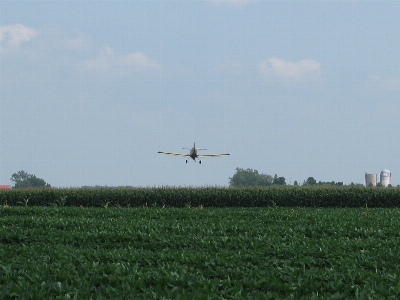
54 252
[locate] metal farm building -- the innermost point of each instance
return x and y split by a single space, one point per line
386 177
370 179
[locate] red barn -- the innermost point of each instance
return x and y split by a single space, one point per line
5 186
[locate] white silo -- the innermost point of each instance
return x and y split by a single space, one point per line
370 179
386 177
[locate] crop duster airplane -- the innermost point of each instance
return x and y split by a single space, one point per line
193 153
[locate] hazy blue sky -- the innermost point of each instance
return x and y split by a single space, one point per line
91 90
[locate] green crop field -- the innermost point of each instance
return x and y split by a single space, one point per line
288 196
199 253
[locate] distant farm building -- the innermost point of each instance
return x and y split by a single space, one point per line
370 179
5 186
384 180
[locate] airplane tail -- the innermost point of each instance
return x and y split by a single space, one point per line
194 147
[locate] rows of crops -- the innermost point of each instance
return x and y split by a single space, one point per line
210 253
208 197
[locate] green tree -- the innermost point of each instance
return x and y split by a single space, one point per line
249 177
279 180
24 180
311 181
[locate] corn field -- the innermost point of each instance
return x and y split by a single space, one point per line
288 196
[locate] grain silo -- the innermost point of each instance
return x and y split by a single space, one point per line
386 177
370 179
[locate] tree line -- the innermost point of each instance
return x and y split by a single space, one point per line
242 178
251 177
23 179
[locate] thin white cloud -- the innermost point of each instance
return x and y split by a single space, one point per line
78 42
234 3
276 68
110 63
11 36
138 59
78 51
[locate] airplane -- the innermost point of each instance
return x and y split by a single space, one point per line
193 153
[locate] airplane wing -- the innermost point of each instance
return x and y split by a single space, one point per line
173 153
213 155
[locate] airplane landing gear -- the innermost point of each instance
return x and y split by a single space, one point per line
199 161
186 161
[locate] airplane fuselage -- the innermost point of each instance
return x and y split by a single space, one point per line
193 153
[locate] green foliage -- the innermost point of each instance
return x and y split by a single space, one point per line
279 180
356 184
24 202
24 180
286 196
218 253
249 177
311 181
